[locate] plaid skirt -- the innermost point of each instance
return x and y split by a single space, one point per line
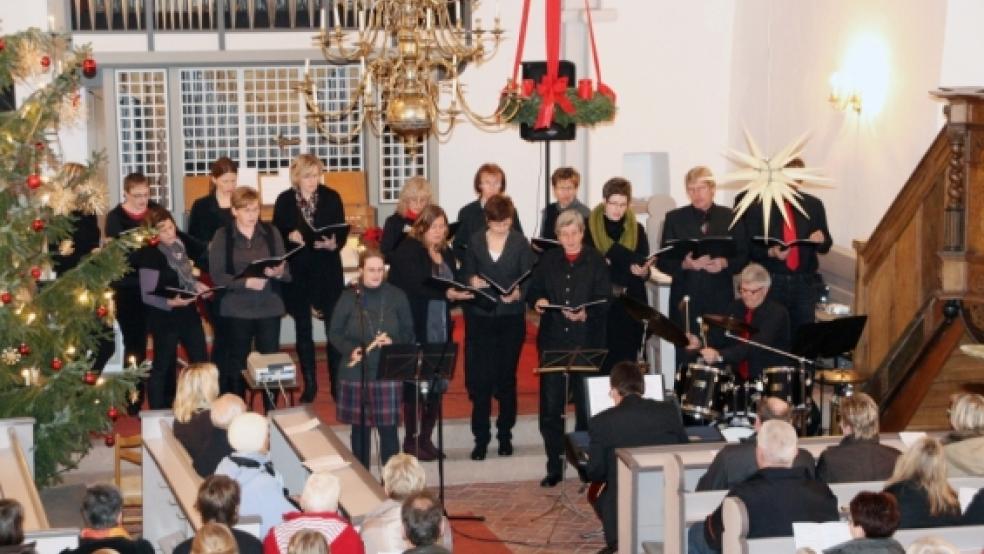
384 402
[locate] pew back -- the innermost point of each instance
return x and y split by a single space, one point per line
170 483
17 479
53 541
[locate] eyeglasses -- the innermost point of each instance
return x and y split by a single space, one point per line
748 291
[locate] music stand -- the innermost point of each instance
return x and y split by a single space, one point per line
579 361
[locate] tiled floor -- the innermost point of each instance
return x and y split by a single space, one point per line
511 511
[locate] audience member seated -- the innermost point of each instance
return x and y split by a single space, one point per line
775 496
261 486
920 486
632 421
858 457
736 462
874 517
307 541
382 529
974 515
102 512
213 538
932 545
319 502
12 528
198 386
964 450
218 502
225 409
422 517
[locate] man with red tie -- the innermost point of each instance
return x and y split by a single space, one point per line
796 280
768 318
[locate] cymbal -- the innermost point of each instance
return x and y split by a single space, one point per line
729 323
840 377
656 323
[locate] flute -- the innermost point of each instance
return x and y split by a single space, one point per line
686 312
372 345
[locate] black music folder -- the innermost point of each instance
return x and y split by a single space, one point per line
507 290
713 246
256 267
186 294
783 245
482 298
541 244
574 308
338 230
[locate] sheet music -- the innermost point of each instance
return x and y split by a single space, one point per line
909 438
598 387
820 536
966 495
302 427
328 462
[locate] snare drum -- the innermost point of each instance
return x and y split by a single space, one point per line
743 398
703 394
791 384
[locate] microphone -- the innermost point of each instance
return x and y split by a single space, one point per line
424 385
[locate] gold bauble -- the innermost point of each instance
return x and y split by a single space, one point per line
409 114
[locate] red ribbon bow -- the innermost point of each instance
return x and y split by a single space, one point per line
551 92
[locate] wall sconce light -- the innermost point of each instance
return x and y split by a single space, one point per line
843 96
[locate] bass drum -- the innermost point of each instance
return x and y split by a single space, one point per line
704 396
791 384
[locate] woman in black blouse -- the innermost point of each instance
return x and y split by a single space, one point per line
208 214
415 196
171 318
422 255
495 337
568 276
316 271
614 232
490 180
919 484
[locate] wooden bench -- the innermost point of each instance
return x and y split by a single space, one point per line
17 482
360 494
968 538
654 501
170 485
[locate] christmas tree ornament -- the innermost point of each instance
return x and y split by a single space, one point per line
110 440
56 364
153 240
39 146
36 273
6 297
102 311
89 67
24 349
112 413
33 181
45 62
37 225
66 247
90 377
10 356
3 44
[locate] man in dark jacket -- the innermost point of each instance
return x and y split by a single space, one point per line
632 421
858 457
736 462
102 510
775 496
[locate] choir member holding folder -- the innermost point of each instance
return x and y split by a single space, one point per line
498 254
614 232
490 180
413 265
311 215
414 197
573 275
704 278
251 304
165 270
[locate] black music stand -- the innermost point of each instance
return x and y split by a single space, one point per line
580 361
430 366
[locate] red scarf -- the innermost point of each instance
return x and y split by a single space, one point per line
743 369
571 257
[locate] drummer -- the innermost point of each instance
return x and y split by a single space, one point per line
768 321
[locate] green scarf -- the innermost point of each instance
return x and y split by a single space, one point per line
596 224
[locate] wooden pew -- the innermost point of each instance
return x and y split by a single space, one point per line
654 502
360 494
968 538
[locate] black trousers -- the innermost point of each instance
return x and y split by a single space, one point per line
220 335
299 301
131 314
492 349
389 443
624 337
181 326
243 333
799 293
553 406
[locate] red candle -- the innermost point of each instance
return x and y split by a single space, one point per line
584 89
528 86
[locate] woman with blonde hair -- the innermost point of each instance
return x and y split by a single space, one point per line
414 197
308 541
198 387
317 269
382 529
214 538
964 448
920 486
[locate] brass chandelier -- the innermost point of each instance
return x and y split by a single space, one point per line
411 53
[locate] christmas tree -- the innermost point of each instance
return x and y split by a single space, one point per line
50 326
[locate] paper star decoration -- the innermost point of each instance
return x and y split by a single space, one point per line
769 180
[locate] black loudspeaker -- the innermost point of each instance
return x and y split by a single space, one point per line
536 71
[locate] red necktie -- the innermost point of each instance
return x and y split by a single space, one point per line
743 365
789 235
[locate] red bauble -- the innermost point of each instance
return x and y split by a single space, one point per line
89 67
36 273
39 146
113 413
45 62
3 44
101 311
56 364
154 240
37 225
24 349
89 377
33 181
6 297
110 440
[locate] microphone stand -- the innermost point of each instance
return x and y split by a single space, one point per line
364 381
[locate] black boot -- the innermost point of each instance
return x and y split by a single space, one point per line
310 386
